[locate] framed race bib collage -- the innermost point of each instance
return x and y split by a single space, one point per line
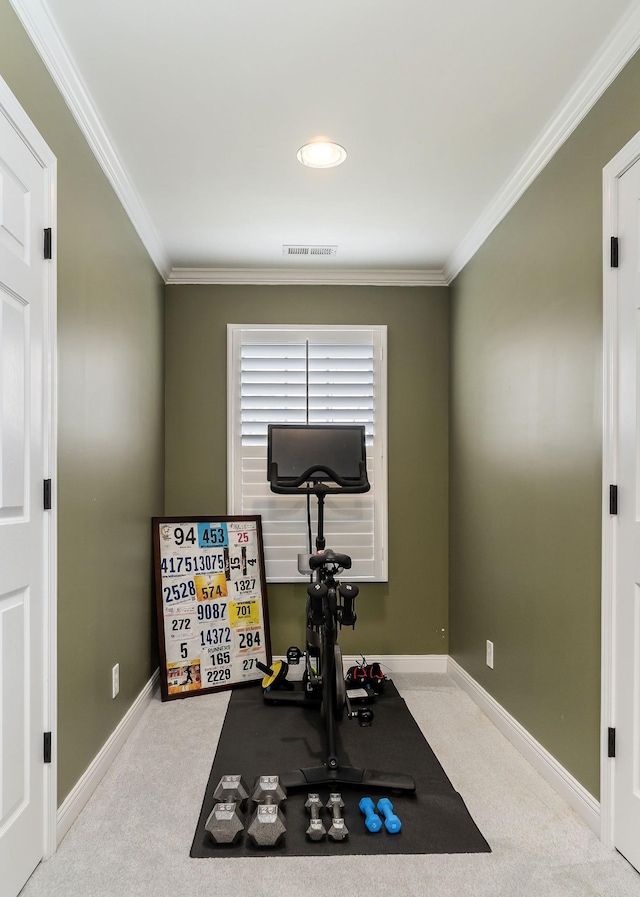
213 622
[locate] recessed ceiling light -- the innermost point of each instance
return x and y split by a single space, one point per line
322 154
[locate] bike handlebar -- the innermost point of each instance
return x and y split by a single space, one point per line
293 485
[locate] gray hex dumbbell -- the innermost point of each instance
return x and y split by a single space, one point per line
231 788
338 830
316 830
267 825
225 823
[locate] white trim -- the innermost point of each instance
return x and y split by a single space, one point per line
603 69
32 138
569 789
46 38
299 276
403 663
50 406
390 663
244 496
621 162
77 798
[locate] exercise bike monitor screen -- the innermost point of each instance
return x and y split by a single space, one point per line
297 448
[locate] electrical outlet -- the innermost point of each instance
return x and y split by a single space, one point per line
115 680
489 654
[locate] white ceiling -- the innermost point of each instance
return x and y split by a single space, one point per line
196 109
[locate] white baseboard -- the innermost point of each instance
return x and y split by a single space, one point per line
77 798
403 663
390 663
569 789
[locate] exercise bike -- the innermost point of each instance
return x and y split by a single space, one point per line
324 460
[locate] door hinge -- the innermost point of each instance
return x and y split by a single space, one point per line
611 739
47 747
613 499
614 252
47 495
47 243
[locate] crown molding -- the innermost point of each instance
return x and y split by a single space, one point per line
40 27
37 22
604 68
337 276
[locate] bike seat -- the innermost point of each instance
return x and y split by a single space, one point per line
329 557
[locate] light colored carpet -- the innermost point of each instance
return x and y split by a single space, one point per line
134 836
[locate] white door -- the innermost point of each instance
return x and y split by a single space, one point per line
627 559
24 450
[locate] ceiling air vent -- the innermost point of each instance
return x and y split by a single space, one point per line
309 250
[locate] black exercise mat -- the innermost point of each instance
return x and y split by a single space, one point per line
262 739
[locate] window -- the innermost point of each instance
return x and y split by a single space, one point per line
306 374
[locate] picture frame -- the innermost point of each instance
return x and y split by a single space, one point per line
211 600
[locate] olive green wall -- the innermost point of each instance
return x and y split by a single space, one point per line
407 615
110 406
525 438
526 445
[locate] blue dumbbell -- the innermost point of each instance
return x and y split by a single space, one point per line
372 820
391 821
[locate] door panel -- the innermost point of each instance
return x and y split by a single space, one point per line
14 699
627 561
23 627
14 410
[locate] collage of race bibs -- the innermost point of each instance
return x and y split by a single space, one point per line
211 599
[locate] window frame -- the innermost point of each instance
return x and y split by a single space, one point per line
376 335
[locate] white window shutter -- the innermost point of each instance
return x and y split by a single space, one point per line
308 375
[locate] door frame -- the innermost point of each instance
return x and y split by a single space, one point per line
612 172
29 134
